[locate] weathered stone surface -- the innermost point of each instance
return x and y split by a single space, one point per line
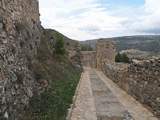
99 98
141 79
88 58
20 32
105 53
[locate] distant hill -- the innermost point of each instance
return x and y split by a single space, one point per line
149 43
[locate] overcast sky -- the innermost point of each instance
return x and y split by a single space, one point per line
90 19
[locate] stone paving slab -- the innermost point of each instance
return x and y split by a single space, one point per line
84 108
107 105
99 98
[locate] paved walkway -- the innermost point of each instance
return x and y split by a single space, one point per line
84 108
98 98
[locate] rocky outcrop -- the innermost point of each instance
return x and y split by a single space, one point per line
140 79
20 32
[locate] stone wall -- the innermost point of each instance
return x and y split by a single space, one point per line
105 53
20 32
144 83
88 58
118 72
140 79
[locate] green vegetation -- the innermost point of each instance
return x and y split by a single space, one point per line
62 78
54 102
122 58
59 46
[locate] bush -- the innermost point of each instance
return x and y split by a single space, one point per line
59 45
122 58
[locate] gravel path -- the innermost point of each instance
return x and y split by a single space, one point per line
98 98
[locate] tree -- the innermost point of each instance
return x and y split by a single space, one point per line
118 57
122 58
59 45
125 58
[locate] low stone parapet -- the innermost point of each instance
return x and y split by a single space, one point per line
140 79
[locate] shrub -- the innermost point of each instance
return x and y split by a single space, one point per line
125 58
122 58
59 45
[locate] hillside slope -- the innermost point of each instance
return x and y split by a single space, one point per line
58 77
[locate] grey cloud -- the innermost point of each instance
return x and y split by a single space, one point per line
90 29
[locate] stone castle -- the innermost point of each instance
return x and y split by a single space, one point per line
141 79
20 34
20 31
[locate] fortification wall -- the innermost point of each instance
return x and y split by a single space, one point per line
105 53
20 32
140 79
88 58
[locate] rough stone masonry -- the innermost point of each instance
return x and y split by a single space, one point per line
105 53
20 31
141 79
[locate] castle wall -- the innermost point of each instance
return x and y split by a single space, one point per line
141 79
88 58
20 32
105 53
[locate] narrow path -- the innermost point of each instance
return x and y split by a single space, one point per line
107 105
84 108
98 98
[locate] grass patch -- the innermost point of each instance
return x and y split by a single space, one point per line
54 102
62 77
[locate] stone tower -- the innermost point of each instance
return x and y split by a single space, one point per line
105 53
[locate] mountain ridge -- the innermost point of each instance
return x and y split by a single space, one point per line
150 43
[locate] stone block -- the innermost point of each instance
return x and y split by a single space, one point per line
1 24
